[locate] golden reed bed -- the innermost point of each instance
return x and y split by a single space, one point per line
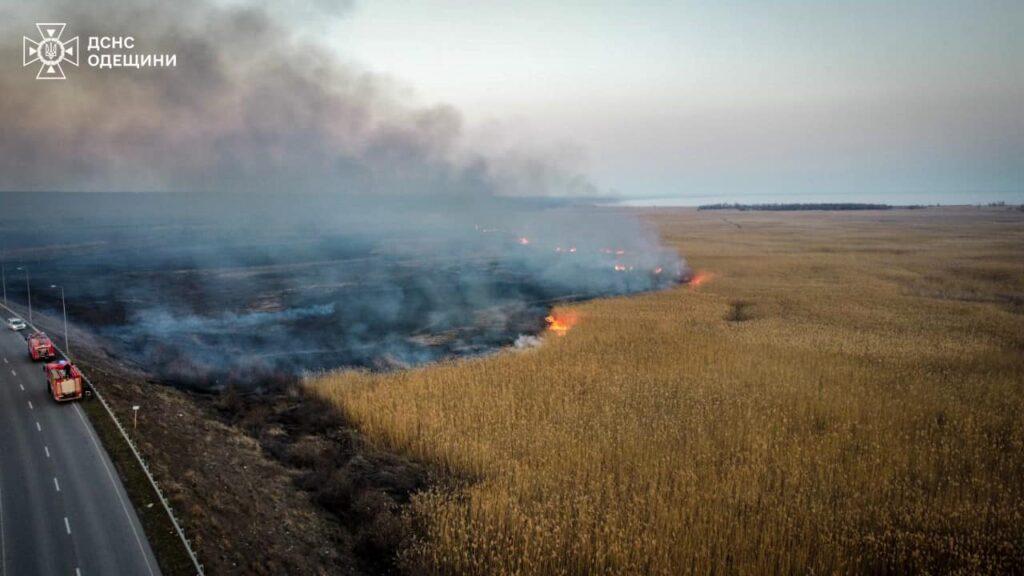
843 393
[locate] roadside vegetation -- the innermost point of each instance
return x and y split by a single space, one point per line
843 395
170 552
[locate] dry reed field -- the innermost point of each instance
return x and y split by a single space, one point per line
843 393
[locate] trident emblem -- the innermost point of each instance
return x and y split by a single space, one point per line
49 51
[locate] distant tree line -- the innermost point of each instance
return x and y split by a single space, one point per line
812 206
1019 207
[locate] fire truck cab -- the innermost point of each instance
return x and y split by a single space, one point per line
40 347
64 380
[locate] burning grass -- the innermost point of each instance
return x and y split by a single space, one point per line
867 420
214 301
561 321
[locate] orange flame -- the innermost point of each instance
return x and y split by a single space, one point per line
561 321
701 277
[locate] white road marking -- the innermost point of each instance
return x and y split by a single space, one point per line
30 406
96 444
47 449
67 525
56 484
5 359
38 427
13 373
22 387
77 571
3 539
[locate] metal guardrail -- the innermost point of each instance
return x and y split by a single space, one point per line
138 456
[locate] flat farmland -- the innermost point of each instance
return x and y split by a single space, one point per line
839 392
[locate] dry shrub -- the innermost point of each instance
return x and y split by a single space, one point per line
361 486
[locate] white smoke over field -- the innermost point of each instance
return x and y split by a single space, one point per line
205 290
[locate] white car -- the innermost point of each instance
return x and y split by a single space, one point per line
16 324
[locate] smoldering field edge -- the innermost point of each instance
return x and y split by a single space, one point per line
207 290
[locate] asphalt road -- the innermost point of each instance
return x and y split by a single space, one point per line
63 509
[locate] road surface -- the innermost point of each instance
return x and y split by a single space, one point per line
63 509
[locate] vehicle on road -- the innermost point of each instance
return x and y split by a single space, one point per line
16 324
64 380
40 347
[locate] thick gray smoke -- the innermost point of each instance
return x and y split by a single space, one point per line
253 105
314 218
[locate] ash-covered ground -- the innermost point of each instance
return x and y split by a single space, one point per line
206 290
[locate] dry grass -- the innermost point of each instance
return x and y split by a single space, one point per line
845 395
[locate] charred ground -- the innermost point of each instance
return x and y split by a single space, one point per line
219 290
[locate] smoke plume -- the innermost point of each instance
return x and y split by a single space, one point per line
253 105
303 214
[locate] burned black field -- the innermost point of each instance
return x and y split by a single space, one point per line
253 292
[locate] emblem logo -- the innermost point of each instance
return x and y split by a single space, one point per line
50 51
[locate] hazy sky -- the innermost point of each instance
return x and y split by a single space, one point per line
780 100
917 100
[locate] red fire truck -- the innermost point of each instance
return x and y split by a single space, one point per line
40 347
64 380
